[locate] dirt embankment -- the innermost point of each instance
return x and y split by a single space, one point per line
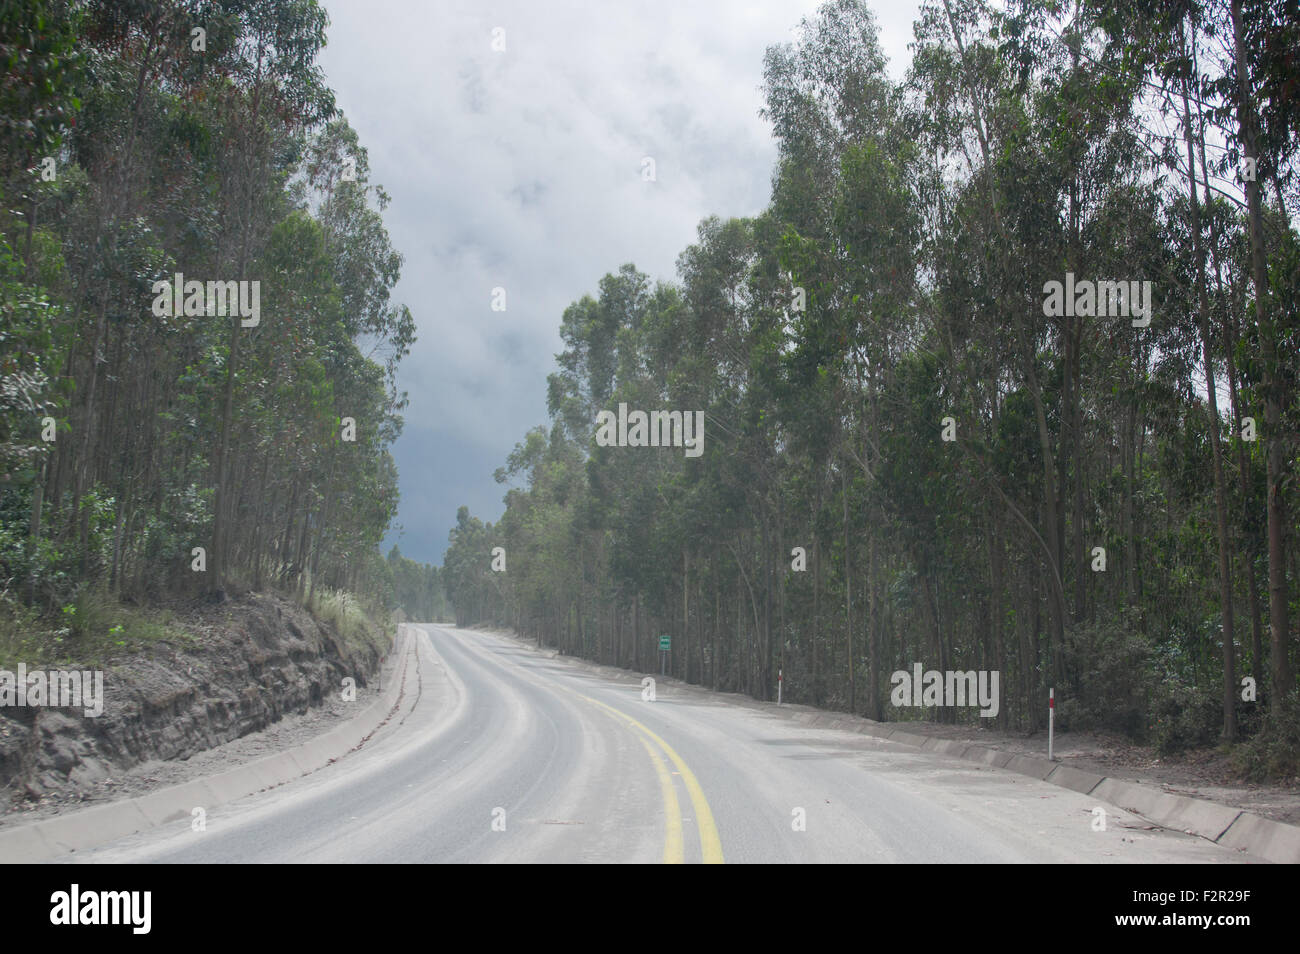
253 661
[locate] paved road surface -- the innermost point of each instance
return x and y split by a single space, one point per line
501 753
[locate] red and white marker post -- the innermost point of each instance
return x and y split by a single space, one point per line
1051 721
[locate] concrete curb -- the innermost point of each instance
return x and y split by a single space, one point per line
1074 779
1028 765
1194 815
1271 840
991 757
1222 824
43 840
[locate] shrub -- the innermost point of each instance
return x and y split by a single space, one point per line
1274 752
1111 662
1183 717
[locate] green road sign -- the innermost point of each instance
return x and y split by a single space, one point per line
664 643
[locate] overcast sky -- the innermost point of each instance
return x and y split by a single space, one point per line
522 169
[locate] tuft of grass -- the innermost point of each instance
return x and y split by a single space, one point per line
349 619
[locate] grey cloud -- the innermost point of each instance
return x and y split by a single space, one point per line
523 169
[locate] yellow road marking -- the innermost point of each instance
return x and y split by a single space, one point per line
673 851
710 843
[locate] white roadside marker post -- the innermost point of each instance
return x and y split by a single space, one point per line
1051 721
780 677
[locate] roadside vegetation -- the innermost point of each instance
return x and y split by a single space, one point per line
149 453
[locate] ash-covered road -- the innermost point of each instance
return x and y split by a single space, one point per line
500 753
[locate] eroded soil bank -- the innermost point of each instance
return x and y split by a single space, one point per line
249 663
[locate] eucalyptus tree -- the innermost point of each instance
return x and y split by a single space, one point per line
190 153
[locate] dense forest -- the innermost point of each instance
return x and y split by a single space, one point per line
198 344
1003 378
416 589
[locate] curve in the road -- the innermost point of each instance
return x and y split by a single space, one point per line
504 753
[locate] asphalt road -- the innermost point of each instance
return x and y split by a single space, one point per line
501 753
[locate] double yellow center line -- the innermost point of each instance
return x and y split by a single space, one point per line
710 843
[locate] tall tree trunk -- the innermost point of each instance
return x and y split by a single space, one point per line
816 620
686 615
1212 413
848 590
995 595
1248 541
1274 385
873 634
